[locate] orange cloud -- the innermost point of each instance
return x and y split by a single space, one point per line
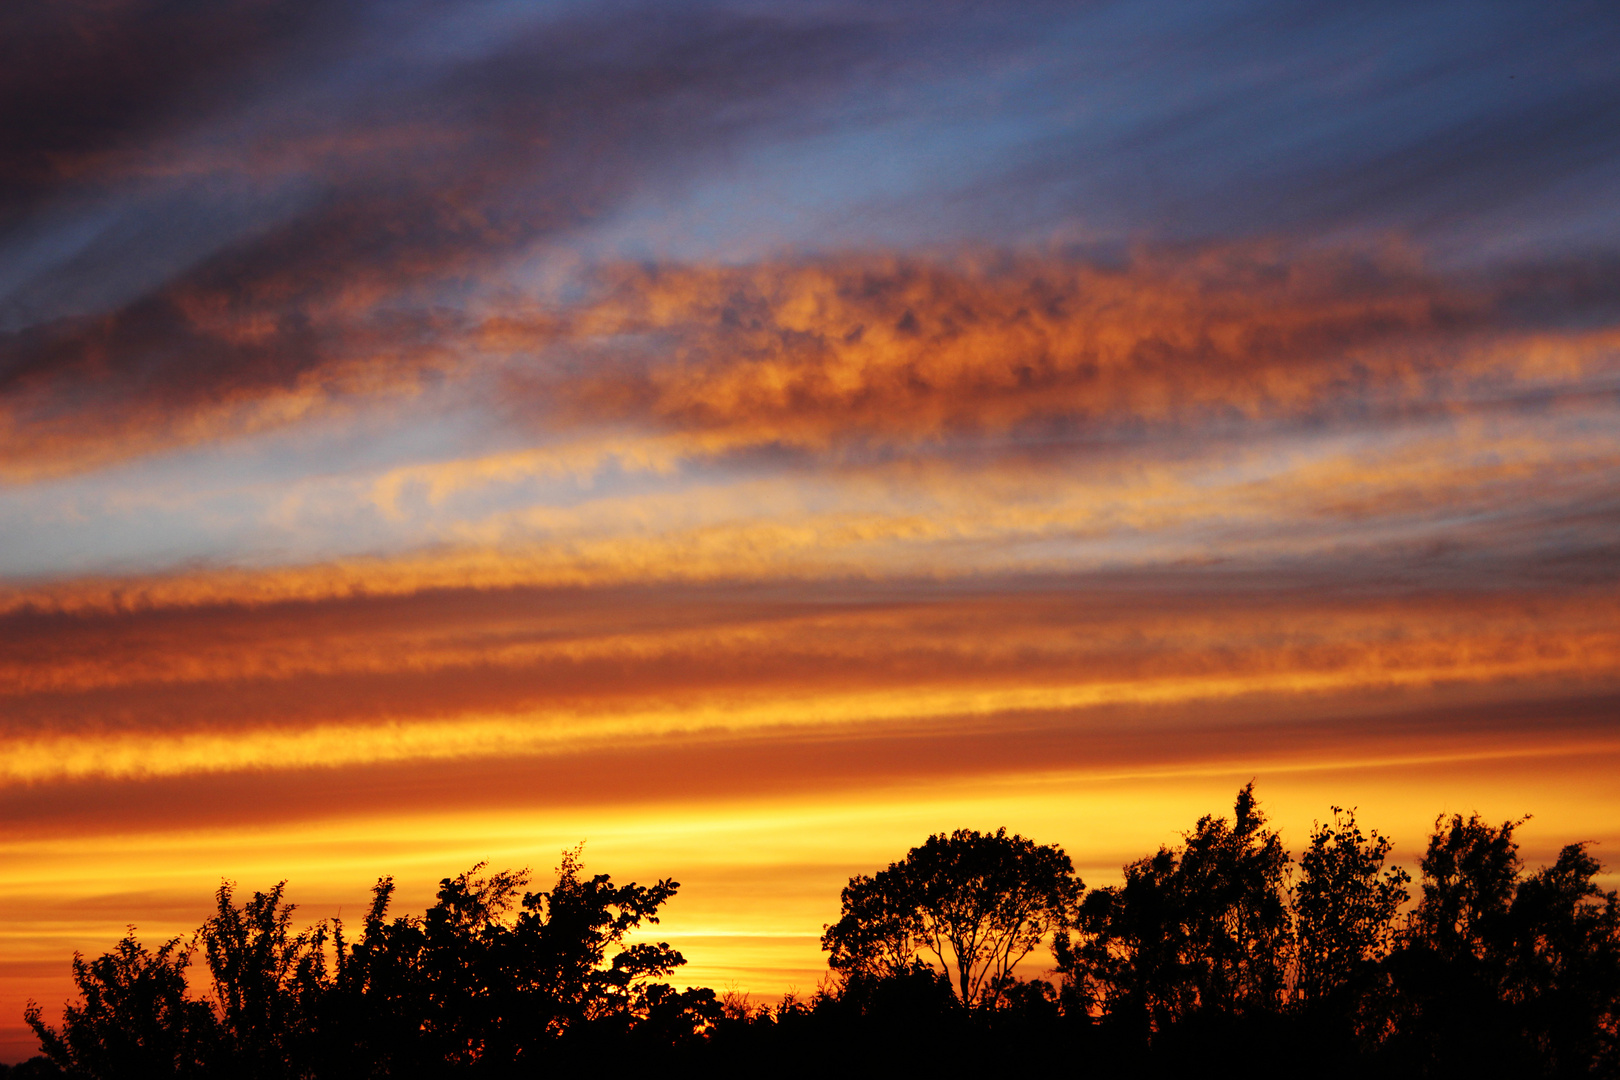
456 674
818 353
831 355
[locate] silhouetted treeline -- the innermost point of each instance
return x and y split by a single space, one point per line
1218 954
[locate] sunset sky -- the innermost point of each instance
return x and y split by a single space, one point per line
749 437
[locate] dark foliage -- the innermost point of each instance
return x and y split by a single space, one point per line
1345 904
975 903
1216 956
135 1020
491 981
1204 927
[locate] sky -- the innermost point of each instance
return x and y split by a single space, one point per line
750 437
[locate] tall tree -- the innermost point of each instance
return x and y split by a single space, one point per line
493 976
970 904
877 934
1470 874
1345 904
1447 1010
1202 926
1563 965
1504 972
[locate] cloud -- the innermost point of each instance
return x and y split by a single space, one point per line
1523 493
1495 132
829 355
228 219
365 201
466 673
86 85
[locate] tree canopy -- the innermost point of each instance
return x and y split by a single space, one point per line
1203 925
973 904
1345 906
1209 950
490 978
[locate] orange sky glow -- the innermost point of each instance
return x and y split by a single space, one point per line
685 435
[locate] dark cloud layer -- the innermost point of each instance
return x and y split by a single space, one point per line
374 197
86 88
222 217
816 353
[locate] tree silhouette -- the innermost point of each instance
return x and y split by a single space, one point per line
489 979
1345 904
1199 958
977 903
1497 971
876 936
266 981
1563 965
1470 874
1202 926
135 1020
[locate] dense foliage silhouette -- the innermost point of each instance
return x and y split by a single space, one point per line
1218 954
978 903
1204 926
491 980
